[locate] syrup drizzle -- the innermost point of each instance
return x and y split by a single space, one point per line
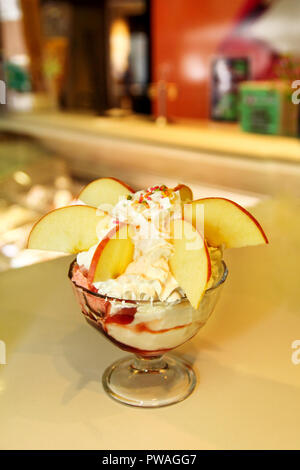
98 315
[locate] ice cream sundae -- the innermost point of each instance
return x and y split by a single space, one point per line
147 272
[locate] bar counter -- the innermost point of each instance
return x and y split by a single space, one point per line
247 395
208 136
139 152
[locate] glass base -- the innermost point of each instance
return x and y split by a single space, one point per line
149 382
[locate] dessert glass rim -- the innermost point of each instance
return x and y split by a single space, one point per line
220 281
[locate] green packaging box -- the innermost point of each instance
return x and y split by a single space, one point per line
266 108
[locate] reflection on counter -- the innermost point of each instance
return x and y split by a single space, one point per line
33 181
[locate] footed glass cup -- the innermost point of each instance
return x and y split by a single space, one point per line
150 377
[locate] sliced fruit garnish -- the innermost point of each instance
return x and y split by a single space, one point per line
112 255
68 229
104 191
186 194
190 261
225 223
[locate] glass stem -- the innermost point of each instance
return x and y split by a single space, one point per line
149 364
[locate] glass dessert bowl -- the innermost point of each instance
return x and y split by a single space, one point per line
147 275
149 377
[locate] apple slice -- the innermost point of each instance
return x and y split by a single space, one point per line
68 229
225 223
186 194
190 261
104 191
112 255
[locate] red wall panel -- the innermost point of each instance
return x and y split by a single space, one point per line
186 35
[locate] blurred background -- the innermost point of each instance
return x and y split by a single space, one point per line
148 91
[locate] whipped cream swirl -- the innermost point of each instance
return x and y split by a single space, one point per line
148 276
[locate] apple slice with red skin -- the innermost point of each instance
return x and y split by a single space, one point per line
225 223
186 194
104 191
190 261
112 255
70 229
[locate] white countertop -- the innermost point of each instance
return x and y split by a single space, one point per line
248 388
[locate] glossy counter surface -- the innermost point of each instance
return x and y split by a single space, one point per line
248 388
